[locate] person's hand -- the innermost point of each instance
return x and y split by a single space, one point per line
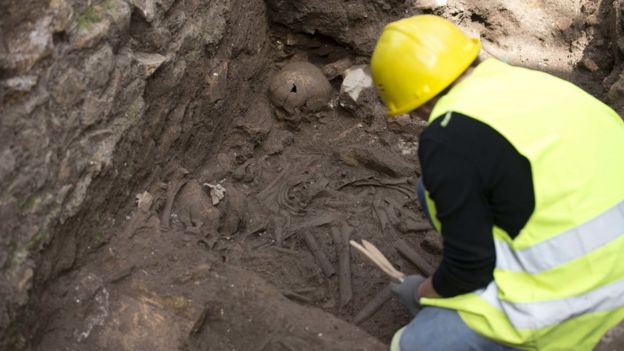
407 292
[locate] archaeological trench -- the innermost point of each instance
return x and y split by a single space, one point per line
185 174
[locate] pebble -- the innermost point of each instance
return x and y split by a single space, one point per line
590 65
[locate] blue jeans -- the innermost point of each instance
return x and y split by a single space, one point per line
436 328
441 329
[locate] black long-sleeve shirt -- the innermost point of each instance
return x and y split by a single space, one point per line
477 180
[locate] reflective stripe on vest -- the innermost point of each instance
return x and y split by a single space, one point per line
538 315
565 247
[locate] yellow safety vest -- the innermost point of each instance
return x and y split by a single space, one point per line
559 285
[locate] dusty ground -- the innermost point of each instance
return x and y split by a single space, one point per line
220 255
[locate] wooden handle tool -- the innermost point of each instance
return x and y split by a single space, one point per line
372 252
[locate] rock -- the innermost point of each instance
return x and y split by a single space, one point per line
135 320
213 29
149 62
217 82
354 23
300 86
429 4
594 20
96 22
407 147
297 39
63 13
20 84
357 79
590 65
147 8
95 108
564 23
69 88
144 201
257 122
76 198
337 68
217 192
28 46
99 66
359 96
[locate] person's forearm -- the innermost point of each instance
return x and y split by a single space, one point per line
426 289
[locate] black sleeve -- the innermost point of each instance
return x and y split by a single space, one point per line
477 179
454 185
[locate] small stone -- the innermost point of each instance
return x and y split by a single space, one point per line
89 34
95 108
217 193
257 122
20 84
149 63
357 79
217 82
593 20
29 46
99 21
147 8
296 39
62 14
99 65
25 280
563 23
590 65
69 87
144 200
428 4
337 68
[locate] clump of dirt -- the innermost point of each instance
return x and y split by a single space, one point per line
259 154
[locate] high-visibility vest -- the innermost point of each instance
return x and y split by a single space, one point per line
559 284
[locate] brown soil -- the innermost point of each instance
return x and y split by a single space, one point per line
177 266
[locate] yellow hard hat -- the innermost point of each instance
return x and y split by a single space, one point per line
418 57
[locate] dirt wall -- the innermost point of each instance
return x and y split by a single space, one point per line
96 98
